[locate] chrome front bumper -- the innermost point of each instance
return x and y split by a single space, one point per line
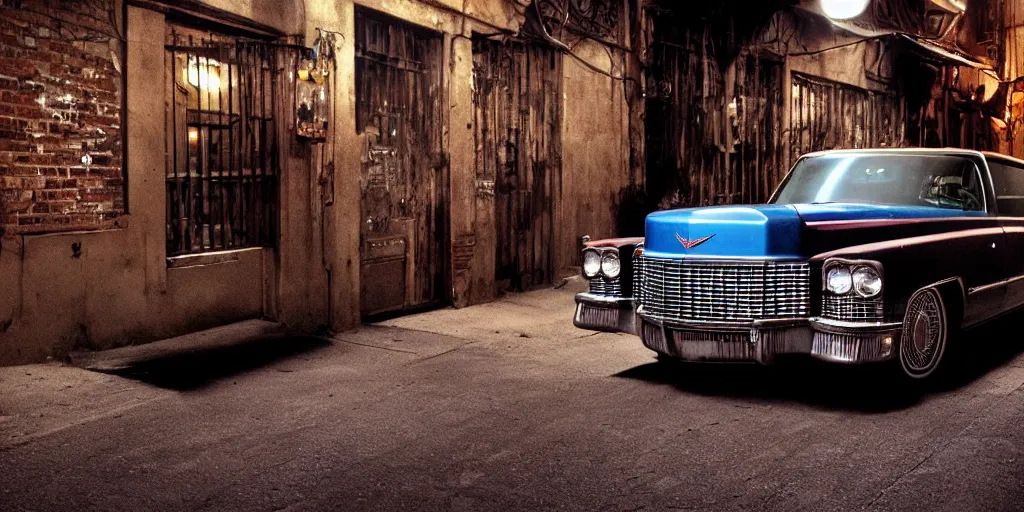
605 314
758 342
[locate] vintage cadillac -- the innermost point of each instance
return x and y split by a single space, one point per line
860 256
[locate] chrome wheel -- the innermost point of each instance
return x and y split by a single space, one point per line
923 341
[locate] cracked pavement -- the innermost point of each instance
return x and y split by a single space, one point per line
507 407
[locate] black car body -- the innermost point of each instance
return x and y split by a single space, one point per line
860 256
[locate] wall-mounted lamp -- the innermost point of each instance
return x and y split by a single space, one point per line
312 89
844 9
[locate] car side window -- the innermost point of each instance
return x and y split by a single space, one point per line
1008 181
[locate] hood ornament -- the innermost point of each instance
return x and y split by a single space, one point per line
690 244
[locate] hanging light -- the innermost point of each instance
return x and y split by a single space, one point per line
843 9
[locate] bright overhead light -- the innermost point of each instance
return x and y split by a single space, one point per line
843 9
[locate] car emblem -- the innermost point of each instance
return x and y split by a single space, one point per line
690 244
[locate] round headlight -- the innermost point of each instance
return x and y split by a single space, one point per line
591 263
839 280
866 282
611 266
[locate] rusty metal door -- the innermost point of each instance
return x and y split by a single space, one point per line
517 96
404 180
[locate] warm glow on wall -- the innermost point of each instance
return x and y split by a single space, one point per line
843 9
193 135
203 73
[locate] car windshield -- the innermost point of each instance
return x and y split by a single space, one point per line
943 181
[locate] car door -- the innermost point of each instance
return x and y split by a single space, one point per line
1008 183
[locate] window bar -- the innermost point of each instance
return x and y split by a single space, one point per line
220 151
188 194
243 141
206 133
229 198
263 142
173 203
258 191
245 75
254 141
270 195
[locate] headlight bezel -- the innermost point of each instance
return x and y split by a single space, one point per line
601 256
595 253
606 258
851 268
874 275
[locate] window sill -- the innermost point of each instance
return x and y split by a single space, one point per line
209 258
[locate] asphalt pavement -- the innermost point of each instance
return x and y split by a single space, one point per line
506 406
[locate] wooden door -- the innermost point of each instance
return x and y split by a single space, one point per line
518 133
404 177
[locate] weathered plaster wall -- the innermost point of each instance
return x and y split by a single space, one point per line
595 143
116 289
284 15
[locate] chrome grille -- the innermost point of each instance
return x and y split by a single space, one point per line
852 309
729 291
606 287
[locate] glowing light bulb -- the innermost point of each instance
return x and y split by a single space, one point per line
843 9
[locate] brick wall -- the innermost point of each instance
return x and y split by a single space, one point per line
60 115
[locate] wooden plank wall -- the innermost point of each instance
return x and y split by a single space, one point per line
713 137
719 136
517 127
830 115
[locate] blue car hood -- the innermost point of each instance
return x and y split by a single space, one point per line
762 231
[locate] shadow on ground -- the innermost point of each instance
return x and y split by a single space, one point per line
875 388
199 368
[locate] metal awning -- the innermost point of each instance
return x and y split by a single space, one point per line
930 49
942 53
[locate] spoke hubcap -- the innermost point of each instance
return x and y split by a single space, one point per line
923 334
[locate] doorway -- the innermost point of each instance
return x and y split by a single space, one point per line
404 176
517 125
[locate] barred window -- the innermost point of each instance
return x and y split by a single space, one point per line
223 161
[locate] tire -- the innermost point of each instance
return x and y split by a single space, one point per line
925 336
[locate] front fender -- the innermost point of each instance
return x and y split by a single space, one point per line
956 262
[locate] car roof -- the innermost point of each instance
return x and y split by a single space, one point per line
988 155
905 151
1006 158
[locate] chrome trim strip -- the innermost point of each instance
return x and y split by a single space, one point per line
602 301
772 323
838 326
992 286
723 259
